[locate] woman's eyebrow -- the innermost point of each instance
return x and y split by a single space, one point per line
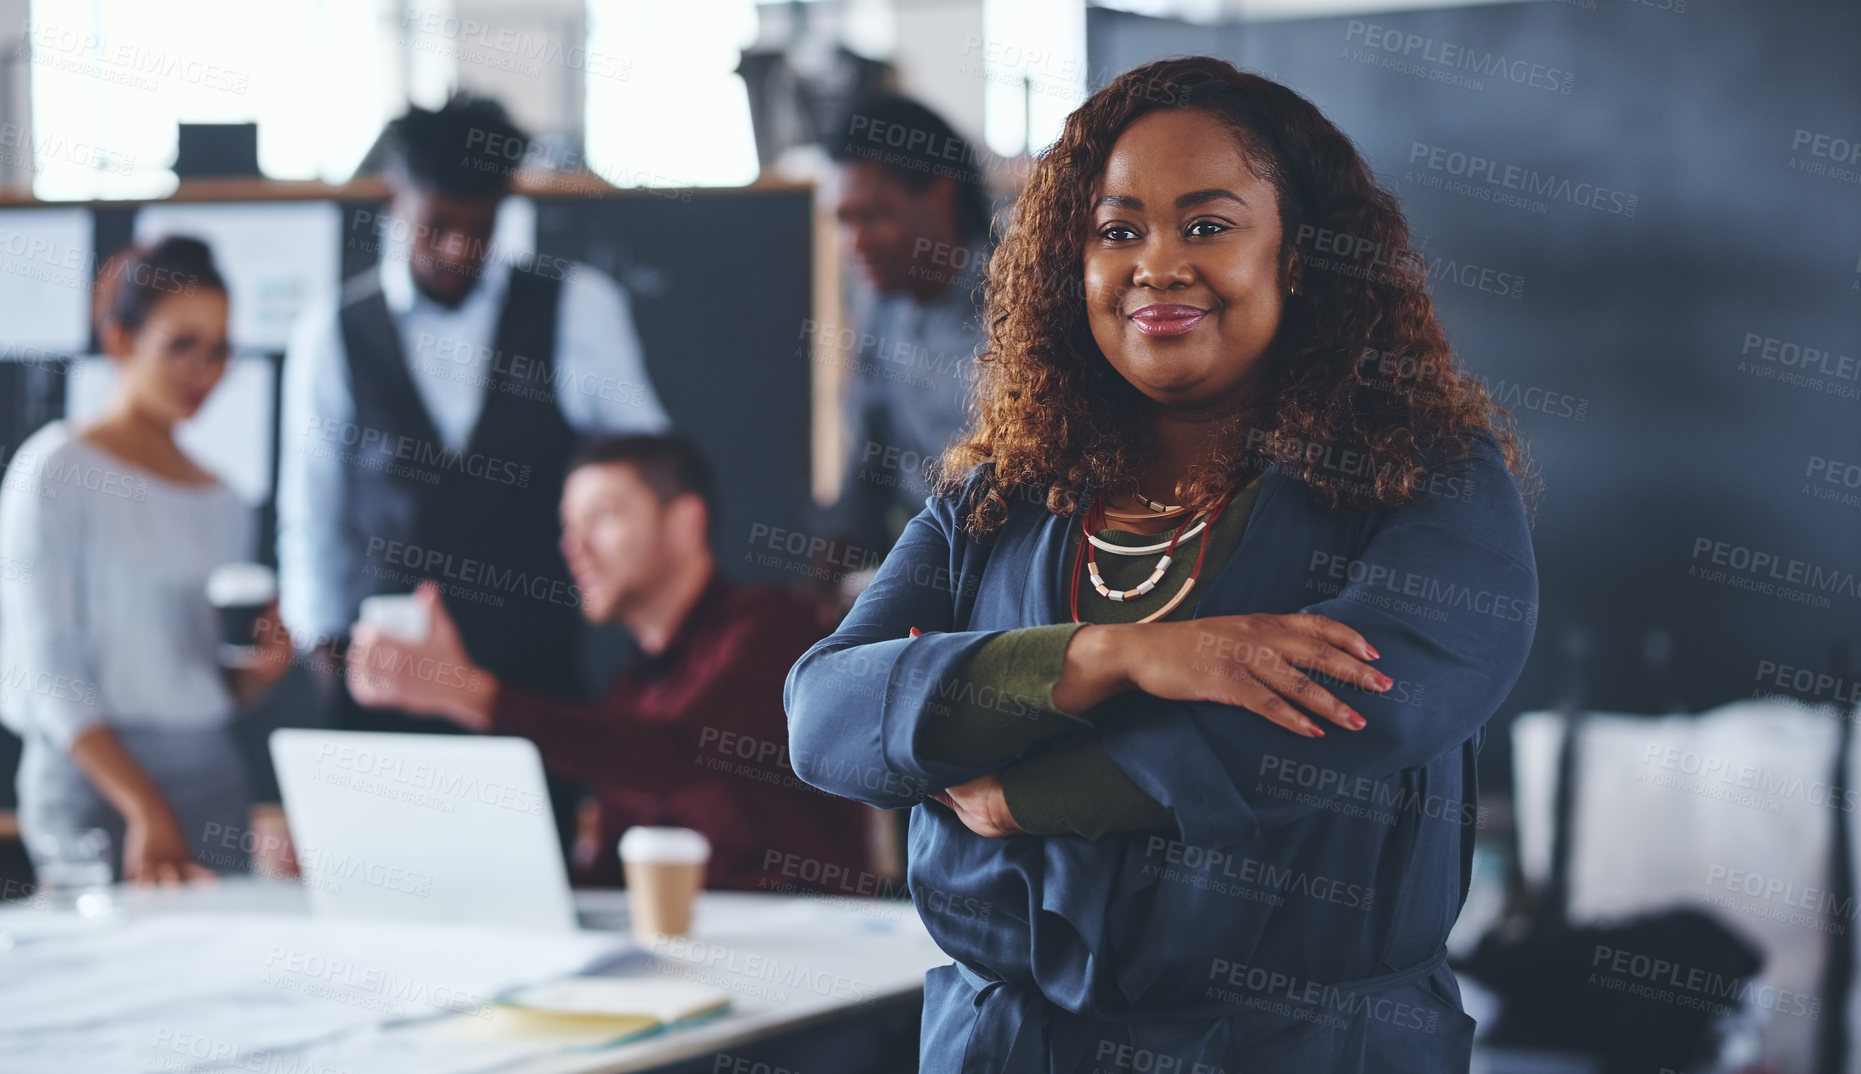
1194 197
1213 193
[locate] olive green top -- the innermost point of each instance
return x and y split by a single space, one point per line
1074 787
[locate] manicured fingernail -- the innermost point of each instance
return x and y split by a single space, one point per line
1312 730
1371 649
1384 682
1355 722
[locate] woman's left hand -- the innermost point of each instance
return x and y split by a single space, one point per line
275 651
274 657
981 806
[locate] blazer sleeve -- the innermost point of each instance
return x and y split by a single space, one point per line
859 699
1445 588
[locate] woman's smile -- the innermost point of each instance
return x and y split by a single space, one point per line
1168 320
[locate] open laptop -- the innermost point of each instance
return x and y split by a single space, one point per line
450 828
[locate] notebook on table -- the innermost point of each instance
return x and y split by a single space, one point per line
595 1012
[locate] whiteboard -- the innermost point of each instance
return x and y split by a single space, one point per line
46 267
277 258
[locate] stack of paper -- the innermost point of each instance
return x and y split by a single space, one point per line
195 992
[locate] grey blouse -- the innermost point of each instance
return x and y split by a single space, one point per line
103 608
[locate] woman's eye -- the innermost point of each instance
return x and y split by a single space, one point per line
1206 227
1117 233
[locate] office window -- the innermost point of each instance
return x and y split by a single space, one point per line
1211 11
665 105
1034 62
112 79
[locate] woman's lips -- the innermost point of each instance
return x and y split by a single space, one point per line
1168 320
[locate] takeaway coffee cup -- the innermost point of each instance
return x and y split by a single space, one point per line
665 871
240 593
398 615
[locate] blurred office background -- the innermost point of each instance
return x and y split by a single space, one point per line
1670 308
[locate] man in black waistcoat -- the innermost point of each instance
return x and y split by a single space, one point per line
429 414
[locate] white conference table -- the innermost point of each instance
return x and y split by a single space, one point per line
854 955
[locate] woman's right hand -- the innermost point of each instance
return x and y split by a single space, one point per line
1250 661
154 850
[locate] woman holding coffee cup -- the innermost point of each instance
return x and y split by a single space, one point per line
110 664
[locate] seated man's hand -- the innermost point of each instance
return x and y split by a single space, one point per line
433 676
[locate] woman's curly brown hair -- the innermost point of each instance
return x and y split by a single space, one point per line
1359 363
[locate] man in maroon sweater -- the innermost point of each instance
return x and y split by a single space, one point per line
693 733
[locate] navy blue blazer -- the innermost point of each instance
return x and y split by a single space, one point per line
1295 917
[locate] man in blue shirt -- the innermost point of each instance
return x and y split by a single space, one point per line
912 205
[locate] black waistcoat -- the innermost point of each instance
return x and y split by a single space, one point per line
481 521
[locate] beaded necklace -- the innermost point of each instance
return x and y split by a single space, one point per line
1086 559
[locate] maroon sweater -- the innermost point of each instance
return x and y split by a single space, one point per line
696 737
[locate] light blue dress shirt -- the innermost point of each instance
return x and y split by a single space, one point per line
906 398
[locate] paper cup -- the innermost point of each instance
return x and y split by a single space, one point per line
398 615
665 872
240 593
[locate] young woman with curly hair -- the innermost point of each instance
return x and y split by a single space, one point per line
1184 666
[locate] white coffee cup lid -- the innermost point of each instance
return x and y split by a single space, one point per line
680 846
242 583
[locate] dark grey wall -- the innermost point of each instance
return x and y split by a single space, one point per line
721 286
1621 354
